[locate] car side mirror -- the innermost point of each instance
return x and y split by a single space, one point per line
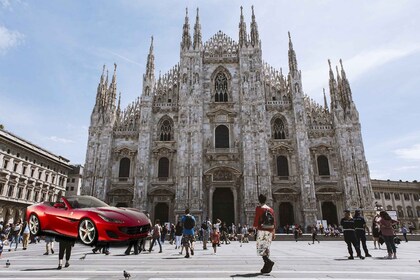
59 205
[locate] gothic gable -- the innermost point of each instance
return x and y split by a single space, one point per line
221 48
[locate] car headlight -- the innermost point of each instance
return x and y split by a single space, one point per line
110 220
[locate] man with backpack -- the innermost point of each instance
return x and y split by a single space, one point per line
188 222
265 224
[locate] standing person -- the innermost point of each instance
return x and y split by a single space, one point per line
188 222
314 234
404 232
178 234
156 236
224 234
376 231
360 226
215 239
347 223
265 224
49 244
385 223
64 245
15 231
25 235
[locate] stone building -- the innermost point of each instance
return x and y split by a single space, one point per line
74 181
28 174
399 196
223 126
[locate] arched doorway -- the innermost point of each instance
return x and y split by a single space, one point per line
329 212
286 214
162 212
223 205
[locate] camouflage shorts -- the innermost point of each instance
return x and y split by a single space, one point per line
187 240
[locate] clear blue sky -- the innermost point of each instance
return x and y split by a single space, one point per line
52 52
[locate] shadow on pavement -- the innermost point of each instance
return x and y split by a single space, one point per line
248 275
39 269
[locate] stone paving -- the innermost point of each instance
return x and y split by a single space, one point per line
293 260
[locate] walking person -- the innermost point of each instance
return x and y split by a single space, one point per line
178 235
314 234
25 235
135 245
2 239
64 245
347 223
404 232
296 233
49 244
360 227
215 239
205 233
265 224
188 223
156 236
15 232
385 223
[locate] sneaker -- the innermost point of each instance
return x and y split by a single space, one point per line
394 257
388 257
94 251
59 267
270 265
52 251
187 256
350 258
192 252
67 264
361 257
368 256
46 253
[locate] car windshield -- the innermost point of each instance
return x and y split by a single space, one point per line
85 202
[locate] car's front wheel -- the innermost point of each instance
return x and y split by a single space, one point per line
87 232
34 224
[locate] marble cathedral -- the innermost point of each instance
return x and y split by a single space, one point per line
223 126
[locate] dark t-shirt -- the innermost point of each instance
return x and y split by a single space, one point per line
347 224
359 222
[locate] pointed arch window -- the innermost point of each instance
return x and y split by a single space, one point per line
124 172
282 167
222 137
165 131
163 168
278 130
221 88
323 166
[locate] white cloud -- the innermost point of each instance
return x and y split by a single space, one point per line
412 153
5 3
60 140
355 67
9 39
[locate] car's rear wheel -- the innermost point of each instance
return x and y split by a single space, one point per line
87 232
34 224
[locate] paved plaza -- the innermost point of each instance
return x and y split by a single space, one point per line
293 260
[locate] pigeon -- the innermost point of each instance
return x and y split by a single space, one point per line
126 275
309 243
83 257
7 264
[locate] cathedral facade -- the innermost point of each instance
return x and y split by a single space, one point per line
221 127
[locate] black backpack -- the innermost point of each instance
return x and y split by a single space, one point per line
267 220
204 226
189 222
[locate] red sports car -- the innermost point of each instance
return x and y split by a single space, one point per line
88 219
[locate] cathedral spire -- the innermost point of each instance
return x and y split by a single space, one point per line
150 67
113 89
242 31
197 33
346 84
333 87
186 37
293 67
254 30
